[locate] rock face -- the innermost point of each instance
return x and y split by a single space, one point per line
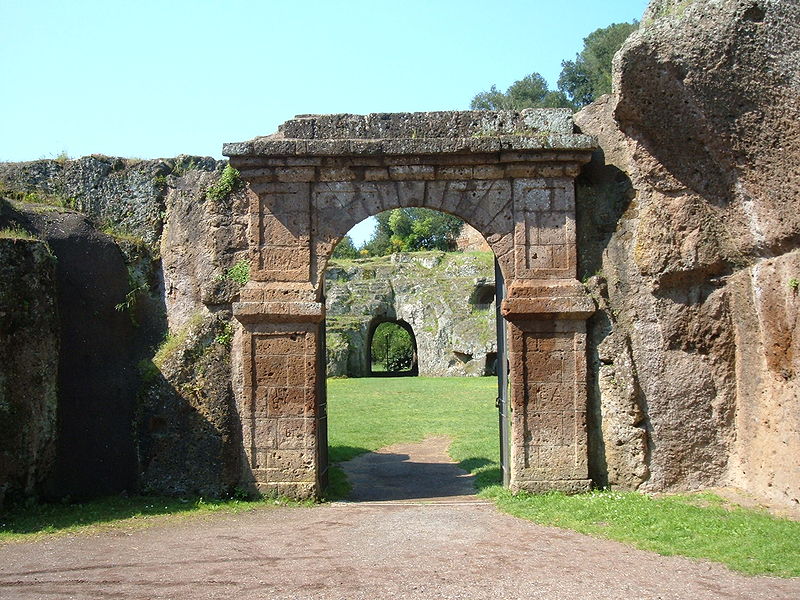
689 225
28 366
164 256
203 239
446 298
188 431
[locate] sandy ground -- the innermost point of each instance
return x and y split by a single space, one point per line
445 544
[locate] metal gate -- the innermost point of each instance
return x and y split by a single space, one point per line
502 372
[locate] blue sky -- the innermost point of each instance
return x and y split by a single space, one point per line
154 79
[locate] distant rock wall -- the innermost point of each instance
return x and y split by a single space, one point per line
689 226
446 297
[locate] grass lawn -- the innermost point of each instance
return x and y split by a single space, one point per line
367 414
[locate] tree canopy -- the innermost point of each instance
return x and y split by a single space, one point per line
581 81
589 76
529 92
345 248
412 229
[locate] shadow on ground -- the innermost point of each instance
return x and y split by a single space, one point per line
410 471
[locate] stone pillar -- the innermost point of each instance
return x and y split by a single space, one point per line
282 405
547 310
547 359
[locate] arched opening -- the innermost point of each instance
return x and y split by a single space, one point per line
406 301
392 349
509 175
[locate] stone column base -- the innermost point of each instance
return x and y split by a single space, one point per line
568 486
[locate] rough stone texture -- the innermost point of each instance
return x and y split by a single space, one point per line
764 300
116 294
127 194
203 238
189 435
28 366
685 217
471 240
446 298
321 175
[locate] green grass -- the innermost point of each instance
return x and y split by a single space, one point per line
26 523
694 525
15 233
367 414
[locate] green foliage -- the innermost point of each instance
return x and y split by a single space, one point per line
239 272
392 346
699 526
42 198
412 230
160 182
225 337
15 233
184 164
529 92
228 181
581 81
588 77
794 283
345 249
137 284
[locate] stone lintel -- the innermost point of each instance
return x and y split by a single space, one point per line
553 299
426 133
279 312
270 147
568 486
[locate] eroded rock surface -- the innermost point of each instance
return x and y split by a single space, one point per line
29 340
689 224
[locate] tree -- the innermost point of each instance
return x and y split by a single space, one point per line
529 92
588 77
413 229
345 248
392 347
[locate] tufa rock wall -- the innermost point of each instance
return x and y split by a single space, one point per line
153 247
446 297
28 366
689 225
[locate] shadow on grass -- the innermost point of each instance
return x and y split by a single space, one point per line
487 473
55 517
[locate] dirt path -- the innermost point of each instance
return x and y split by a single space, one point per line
420 471
430 549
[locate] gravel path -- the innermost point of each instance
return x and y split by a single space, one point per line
455 547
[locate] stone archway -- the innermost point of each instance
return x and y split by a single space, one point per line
373 327
509 175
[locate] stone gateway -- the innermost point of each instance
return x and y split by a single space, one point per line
507 174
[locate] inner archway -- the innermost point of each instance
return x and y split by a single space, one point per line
420 438
392 349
